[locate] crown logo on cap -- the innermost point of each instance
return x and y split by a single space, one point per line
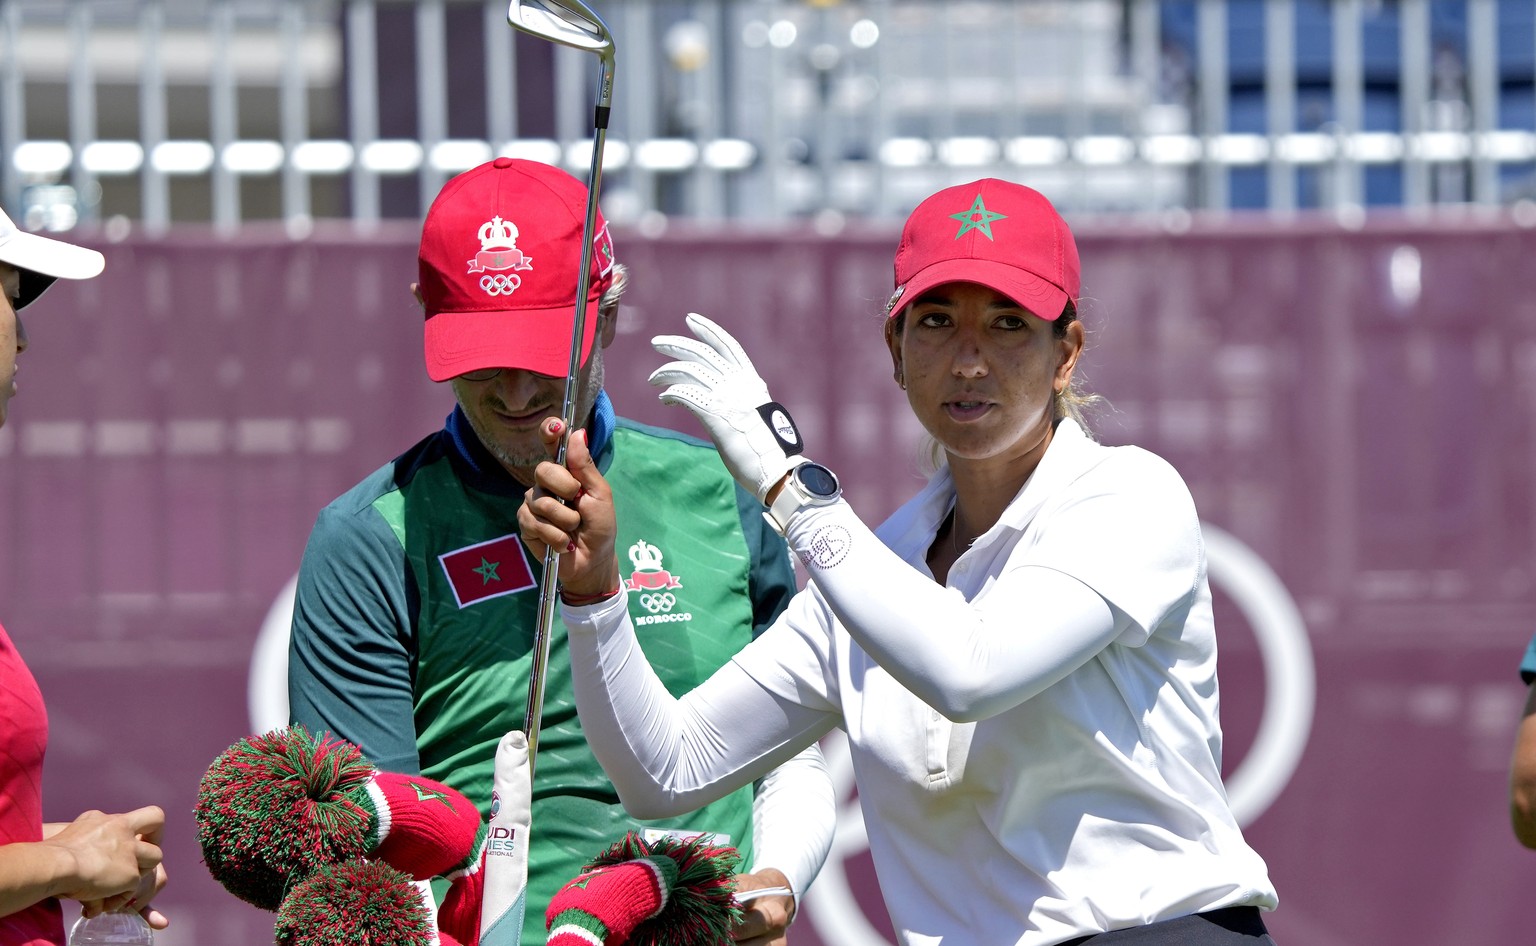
497 232
498 253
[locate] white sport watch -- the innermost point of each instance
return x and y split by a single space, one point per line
807 484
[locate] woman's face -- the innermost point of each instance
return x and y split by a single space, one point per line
13 338
980 370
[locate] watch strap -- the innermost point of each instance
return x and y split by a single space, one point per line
792 498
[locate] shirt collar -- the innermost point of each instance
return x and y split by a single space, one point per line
912 530
1070 454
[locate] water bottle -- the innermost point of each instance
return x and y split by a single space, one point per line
112 929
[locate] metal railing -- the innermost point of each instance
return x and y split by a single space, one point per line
149 112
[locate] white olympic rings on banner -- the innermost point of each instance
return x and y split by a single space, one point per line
500 284
656 603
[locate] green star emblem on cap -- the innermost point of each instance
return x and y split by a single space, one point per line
487 572
977 218
423 793
580 883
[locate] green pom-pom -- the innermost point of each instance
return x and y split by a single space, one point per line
274 808
701 907
357 902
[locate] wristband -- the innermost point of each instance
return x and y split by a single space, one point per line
581 601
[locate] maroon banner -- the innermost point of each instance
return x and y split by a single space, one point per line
1355 412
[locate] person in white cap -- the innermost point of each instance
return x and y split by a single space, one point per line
1023 656
30 264
104 861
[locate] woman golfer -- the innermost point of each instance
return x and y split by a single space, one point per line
1023 655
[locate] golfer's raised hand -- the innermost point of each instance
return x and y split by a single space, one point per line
571 508
714 378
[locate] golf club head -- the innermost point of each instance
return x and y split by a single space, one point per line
567 22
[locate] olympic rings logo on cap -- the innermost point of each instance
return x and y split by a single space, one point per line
500 284
658 602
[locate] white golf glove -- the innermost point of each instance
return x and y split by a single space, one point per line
713 377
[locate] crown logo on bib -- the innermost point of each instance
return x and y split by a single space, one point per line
648 573
646 557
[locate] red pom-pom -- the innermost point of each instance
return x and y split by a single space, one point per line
273 808
355 902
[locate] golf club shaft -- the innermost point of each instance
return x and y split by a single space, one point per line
548 587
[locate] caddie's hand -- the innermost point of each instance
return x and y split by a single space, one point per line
137 900
764 920
583 527
107 854
713 377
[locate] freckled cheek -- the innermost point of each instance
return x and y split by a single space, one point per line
1031 366
927 366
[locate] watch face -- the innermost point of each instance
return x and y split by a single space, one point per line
817 479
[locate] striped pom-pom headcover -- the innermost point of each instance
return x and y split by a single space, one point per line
275 808
659 893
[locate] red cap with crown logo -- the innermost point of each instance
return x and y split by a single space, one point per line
498 262
997 233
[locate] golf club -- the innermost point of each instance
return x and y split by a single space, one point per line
569 23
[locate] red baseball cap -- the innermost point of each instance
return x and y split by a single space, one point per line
499 254
1002 235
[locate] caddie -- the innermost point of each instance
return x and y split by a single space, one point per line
417 601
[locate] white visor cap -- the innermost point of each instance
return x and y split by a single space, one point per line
43 259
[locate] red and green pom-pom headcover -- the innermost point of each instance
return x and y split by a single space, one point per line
307 827
422 827
275 808
354 902
660 893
